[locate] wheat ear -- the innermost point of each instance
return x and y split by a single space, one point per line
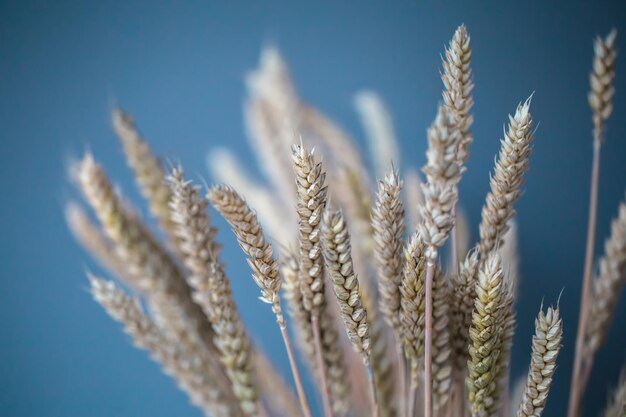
150 268
205 392
338 260
600 96
412 311
609 283
463 296
388 225
545 350
443 173
211 288
486 339
149 172
458 83
617 403
89 235
379 131
507 179
265 269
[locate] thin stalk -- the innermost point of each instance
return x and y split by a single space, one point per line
577 386
428 339
304 403
411 403
370 378
328 411
402 373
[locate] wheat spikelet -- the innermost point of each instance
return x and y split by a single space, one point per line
601 80
507 179
388 225
150 269
204 391
252 241
443 173
149 173
457 95
486 339
211 289
338 261
608 284
617 403
413 197
412 302
545 350
463 296
503 363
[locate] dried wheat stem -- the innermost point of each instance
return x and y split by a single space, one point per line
276 392
204 391
321 366
211 287
609 283
428 338
252 240
486 339
388 225
150 268
600 101
545 350
507 179
149 172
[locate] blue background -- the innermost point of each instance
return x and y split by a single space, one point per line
179 68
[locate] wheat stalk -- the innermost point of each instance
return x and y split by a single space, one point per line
266 272
204 391
211 289
601 81
545 350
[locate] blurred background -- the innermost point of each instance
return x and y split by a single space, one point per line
179 67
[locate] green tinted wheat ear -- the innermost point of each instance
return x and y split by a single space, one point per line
211 287
507 179
205 392
601 80
412 302
149 172
442 351
545 350
608 284
486 339
388 225
457 80
250 235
